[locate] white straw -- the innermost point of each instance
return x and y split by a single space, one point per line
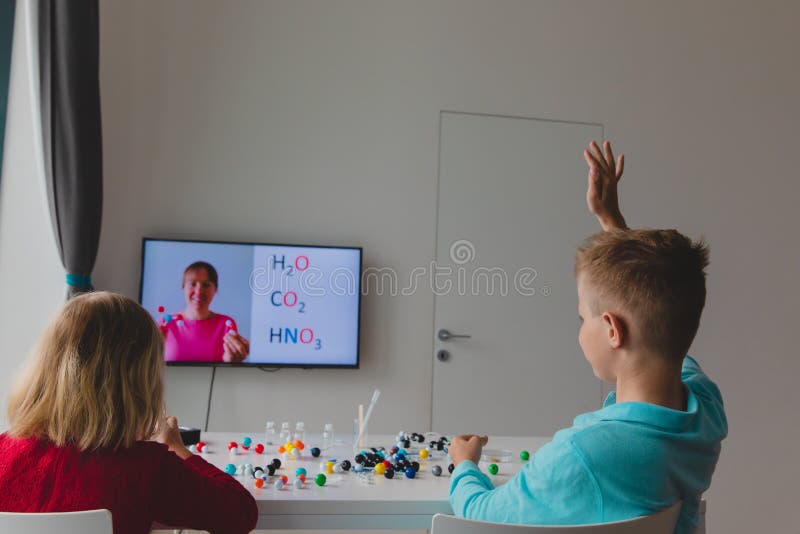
372 403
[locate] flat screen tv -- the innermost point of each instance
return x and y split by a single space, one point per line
258 304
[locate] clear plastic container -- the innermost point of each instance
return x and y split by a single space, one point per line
270 435
327 436
300 431
285 434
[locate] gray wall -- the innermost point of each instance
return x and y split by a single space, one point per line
317 122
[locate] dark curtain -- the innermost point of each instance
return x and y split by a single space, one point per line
6 40
70 92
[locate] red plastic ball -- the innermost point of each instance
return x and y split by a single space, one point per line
285 479
259 483
232 445
259 448
299 444
200 446
161 309
387 463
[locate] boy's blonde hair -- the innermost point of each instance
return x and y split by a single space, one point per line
657 276
95 377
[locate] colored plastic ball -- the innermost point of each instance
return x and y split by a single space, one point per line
230 469
299 444
301 477
436 470
271 469
285 479
281 449
320 479
389 473
200 446
259 448
246 441
380 469
410 473
524 456
298 483
258 483
276 462
451 468
279 484
300 471
423 454
415 466
315 452
161 309
346 465
386 463
359 459
493 469
338 468
258 472
233 445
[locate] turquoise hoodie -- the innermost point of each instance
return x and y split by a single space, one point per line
622 461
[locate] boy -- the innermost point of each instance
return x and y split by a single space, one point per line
657 438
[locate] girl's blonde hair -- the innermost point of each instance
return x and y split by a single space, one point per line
95 377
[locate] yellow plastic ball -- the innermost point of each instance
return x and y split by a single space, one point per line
423 454
380 469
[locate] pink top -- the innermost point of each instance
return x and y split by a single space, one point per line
139 485
198 340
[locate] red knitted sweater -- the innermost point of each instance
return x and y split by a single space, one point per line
140 485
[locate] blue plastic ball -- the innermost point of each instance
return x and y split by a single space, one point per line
246 441
167 318
315 452
410 473
230 469
300 471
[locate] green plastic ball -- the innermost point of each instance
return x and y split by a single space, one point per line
524 456
493 469
320 479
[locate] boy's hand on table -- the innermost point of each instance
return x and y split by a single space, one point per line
601 195
467 447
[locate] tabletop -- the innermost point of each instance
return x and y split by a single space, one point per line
351 500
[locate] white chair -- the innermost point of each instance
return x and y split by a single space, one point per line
662 522
89 522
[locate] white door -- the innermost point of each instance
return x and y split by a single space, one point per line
512 210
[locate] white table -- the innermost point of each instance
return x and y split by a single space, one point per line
346 501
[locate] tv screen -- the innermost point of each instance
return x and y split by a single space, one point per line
253 303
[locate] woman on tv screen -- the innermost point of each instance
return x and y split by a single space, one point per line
198 334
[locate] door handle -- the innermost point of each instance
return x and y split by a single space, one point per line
445 335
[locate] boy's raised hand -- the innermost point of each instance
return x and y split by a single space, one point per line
467 447
601 195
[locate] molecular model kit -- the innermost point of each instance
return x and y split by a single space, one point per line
409 456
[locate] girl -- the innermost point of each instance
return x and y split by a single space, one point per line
79 421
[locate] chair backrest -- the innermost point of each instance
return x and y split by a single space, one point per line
662 522
89 522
